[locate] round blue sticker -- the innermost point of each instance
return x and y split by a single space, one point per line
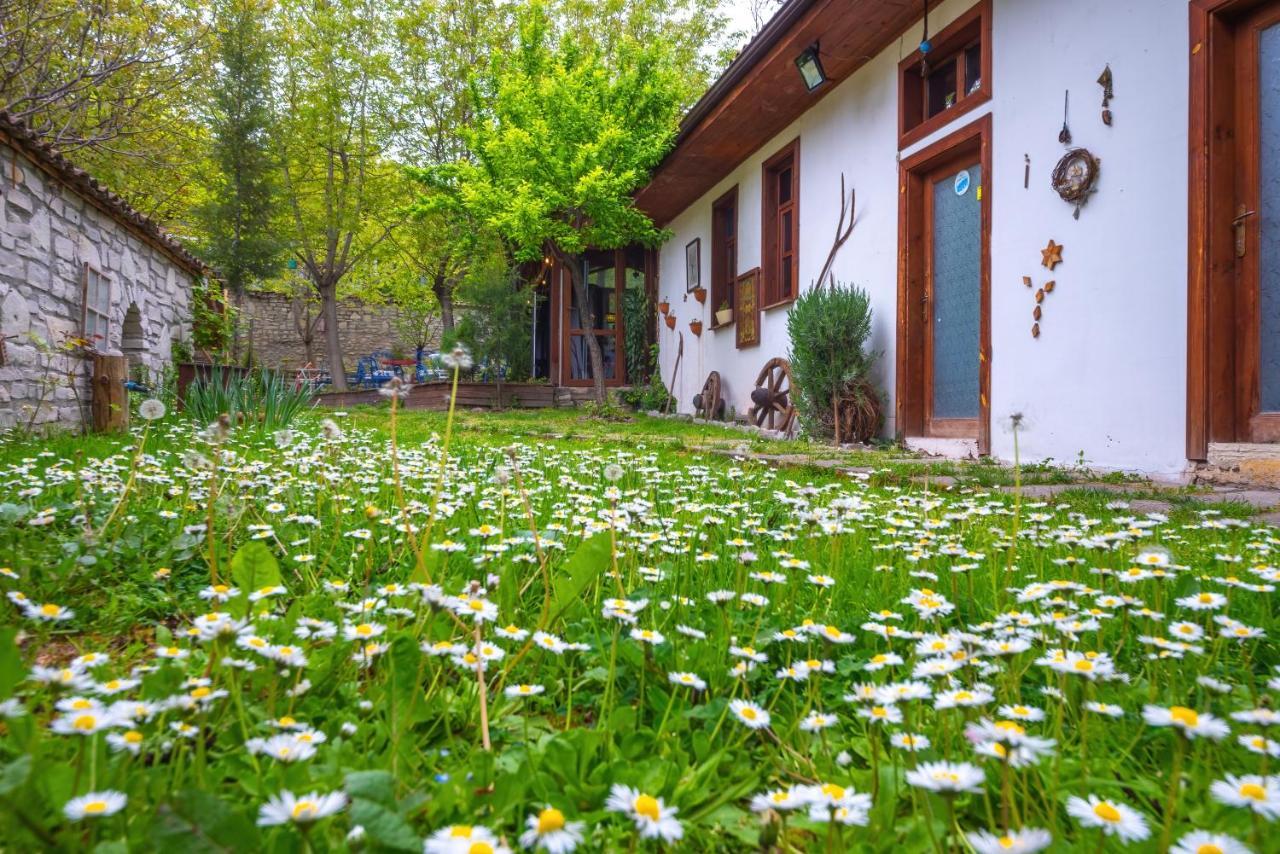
962 182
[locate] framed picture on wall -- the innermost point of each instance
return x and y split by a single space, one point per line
746 309
693 264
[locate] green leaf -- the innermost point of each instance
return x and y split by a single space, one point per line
384 826
585 565
11 667
15 774
194 822
429 571
252 568
376 786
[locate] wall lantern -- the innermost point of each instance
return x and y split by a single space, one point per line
811 68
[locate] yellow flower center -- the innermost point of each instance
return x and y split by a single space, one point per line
1106 812
460 831
50 610
304 809
549 820
133 737
831 790
749 713
95 807
1208 848
1084 666
85 722
1184 716
480 848
364 630
81 704
220 588
1253 791
200 693
647 806
1006 842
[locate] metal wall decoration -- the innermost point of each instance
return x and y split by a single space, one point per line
1075 176
1050 256
1105 81
1064 135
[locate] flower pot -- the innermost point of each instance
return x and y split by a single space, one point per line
664 307
671 321
700 294
724 317
695 326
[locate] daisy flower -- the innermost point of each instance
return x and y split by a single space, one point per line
947 777
1251 791
1113 817
1025 841
287 807
1193 724
95 805
750 714
515 692
653 818
1204 842
550 831
687 680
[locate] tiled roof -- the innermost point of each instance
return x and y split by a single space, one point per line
56 164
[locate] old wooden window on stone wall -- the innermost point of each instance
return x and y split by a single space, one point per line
97 306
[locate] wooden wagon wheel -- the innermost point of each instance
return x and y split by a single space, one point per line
773 409
707 403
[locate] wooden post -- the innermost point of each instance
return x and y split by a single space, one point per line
110 399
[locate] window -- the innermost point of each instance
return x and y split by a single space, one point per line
97 306
780 226
956 78
724 249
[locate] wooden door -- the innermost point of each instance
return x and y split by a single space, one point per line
1255 223
604 291
1233 292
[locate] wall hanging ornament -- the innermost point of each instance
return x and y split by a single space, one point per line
1064 135
1050 256
925 44
1074 177
1104 80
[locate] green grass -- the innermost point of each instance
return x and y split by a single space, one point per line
121 539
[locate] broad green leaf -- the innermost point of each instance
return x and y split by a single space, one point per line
14 774
253 567
196 821
385 827
587 563
11 667
377 786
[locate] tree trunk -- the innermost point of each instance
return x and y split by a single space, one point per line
443 290
332 343
588 323
109 405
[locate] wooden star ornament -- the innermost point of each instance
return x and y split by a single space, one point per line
1051 255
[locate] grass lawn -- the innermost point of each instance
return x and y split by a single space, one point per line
542 629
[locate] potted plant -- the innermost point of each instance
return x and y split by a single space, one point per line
700 294
671 321
664 307
695 326
724 314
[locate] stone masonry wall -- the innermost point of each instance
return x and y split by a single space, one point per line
48 232
267 320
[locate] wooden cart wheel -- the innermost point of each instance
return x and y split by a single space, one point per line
707 403
773 409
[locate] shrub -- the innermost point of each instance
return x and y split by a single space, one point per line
831 364
258 398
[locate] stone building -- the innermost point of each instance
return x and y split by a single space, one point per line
77 262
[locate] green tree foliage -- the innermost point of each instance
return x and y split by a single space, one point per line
830 328
499 331
335 136
240 216
564 135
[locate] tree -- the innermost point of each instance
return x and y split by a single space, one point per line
240 214
499 336
564 135
335 132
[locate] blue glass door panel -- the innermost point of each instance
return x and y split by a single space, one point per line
955 293
1269 218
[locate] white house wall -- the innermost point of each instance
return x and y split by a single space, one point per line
1106 378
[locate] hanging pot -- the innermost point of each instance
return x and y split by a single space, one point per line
724 317
700 294
664 307
696 327
671 321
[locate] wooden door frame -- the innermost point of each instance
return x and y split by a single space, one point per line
912 367
1221 390
564 291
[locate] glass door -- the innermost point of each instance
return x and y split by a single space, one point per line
604 297
953 299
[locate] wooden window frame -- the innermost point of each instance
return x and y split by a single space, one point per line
85 309
912 367
949 45
771 294
724 254
1221 392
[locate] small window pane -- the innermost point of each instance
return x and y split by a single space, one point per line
786 278
787 231
784 186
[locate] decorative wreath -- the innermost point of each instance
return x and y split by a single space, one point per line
1074 177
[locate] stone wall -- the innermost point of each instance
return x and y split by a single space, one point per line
48 233
269 322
